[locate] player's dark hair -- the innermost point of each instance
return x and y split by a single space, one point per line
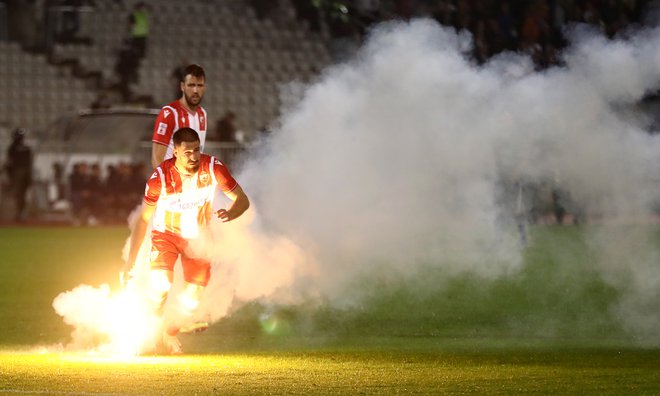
185 134
194 70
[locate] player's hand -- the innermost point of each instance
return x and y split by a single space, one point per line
224 215
124 278
125 275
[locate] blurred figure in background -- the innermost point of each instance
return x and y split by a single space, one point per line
102 101
93 203
19 170
58 183
139 21
70 20
80 192
225 130
126 68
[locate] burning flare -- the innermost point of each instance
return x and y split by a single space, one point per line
119 322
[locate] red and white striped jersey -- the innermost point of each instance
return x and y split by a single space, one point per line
174 116
185 203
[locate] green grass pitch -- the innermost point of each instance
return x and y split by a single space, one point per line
525 333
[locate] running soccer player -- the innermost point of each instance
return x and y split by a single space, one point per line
187 111
179 197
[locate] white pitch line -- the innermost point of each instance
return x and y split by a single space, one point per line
47 392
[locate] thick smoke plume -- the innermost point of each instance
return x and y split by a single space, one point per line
400 159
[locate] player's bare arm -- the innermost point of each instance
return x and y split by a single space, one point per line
158 152
137 237
239 205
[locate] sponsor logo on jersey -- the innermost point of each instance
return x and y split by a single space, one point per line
217 162
162 128
180 203
166 113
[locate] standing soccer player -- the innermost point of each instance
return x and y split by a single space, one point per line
187 111
179 197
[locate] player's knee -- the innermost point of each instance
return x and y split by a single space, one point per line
160 281
188 304
159 285
190 297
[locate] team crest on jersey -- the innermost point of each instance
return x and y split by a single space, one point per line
204 178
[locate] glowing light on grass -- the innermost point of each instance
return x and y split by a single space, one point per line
268 323
119 323
132 324
272 324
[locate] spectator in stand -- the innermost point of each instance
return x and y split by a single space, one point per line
507 27
59 183
126 68
112 199
21 23
81 193
70 22
404 8
535 31
534 26
139 22
613 16
127 183
481 42
92 203
310 12
225 129
137 180
124 190
101 102
19 170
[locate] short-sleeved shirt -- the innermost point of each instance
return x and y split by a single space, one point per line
185 203
174 116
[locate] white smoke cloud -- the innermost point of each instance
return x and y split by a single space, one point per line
394 161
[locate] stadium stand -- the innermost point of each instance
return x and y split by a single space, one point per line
46 75
34 92
245 57
255 52
246 60
250 53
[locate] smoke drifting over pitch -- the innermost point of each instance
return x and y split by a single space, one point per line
395 160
